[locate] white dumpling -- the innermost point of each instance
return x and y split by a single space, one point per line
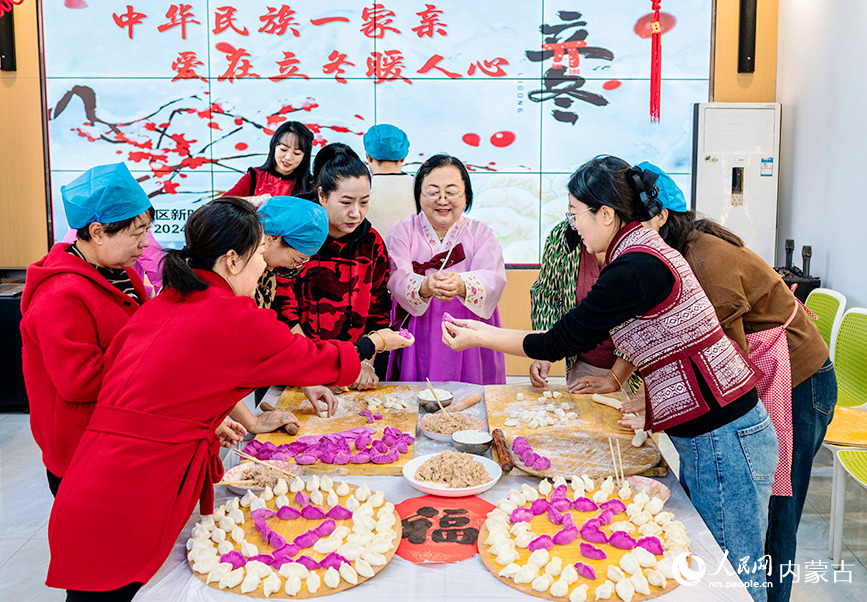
317 497
656 578
542 583
352 504
650 530
325 483
625 492
258 569
644 558
332 499
341 532
218 514
622 525
200 531
589 485
219 571
516 498
282 487
248 498
530 493
363 568
579 594
663 518
227 524
629 563
206 565
569 574
267 494
554 566
615 573
248 550
665 567
526 575
380 547
350 551
233 504
332 578
271 584
293 569
545 487
519 528
313 484
237 534
507 556
237 515
640 583
374 558
362 493
218 535
313 583
232 578
293 585
297 485
250 584
604 591
600 496
625 590
559 589
608 485
342 489
326 545
539 558
509 570
257 503
654 506
224 547
281 500
641 498
522 540
507 506
348 573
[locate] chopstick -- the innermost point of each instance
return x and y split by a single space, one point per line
620 461
449 254
442 409
247 482
614 461
261 463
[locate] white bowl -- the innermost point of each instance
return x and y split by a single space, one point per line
413 465
476 423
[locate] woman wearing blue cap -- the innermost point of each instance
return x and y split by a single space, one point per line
75 300
391 190
759 313
701 387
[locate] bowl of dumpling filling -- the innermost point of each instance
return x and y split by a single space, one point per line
249 475
452 474
440 426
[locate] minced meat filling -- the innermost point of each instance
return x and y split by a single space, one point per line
454 470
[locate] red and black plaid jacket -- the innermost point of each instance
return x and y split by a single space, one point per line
341 293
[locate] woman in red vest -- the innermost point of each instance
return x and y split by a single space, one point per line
700 385
147 455
75 301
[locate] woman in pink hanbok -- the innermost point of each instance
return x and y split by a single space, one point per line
444 263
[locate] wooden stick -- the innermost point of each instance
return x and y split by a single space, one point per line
261 463
442 409
613 458
620 460
247 482
449 254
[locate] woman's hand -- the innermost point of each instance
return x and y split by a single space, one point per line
594 384
449 285
268 422
633 421
634 405
230 432
259 200
386 339
463 334
539 370
367 378
321 398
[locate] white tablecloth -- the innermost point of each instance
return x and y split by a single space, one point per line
404 581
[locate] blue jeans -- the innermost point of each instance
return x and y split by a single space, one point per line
813 404
727 474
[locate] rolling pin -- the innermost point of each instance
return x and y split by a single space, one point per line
290 429
466 402
503 455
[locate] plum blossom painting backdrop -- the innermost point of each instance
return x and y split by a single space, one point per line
523 91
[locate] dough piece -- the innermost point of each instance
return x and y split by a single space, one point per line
363 568
332 578
297 485
519 397
510 422
313 583
293 569
547 394
219 571
579 594
625 590
604 591
267 494
534 424
232 578
342 489
271 584
639 438
348 574
542 583
250 584
556 395
607 401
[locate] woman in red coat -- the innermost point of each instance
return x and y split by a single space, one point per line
148 455
75 301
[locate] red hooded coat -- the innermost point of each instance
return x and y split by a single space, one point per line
70 315
150 453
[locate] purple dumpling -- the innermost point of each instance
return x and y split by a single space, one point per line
361 457
305 459
593 534
561 504
264 558
312 512
585 570
542 463
261 514
521 515
234 558
333 561
651 544
554 515
592 552
565 536
326 527
301 498
584 504
622 540
560 492
311 564
543 541
339 513
288 513
614 505
606 516
539 506
306 539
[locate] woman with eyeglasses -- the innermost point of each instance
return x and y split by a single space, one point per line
341 292
445 263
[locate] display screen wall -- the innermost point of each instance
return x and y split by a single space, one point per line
523 91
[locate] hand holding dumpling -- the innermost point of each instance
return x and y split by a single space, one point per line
230 432
463 334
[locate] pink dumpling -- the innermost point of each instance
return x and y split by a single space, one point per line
592 552
542 463
565 536
326 528
361 457
306 539
560 492
543 541
584 504
288 513
651 544
539 506
339 513
622 540
312 512
521 515
234 558
301 498
311 564
561 504
262 514
554 515
585 570
614 505
593 533
333 561
606 516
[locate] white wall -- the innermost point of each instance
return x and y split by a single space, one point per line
822 86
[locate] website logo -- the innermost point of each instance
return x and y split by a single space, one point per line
683 574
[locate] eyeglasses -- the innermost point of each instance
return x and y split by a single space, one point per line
572 218
449 195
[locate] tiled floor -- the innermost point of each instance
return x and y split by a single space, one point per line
25 503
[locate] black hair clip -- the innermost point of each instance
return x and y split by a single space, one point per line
647 197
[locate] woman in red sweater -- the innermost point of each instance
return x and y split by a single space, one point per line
286 172
75 300
147 455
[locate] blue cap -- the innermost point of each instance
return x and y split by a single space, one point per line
670 194
302 224
385 142
104 194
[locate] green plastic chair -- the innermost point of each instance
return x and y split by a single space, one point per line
850 358
854 463
829 305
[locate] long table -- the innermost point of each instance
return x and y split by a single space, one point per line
466 580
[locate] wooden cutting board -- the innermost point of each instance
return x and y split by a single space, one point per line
290 529
580 443
574 452
347 417
849 427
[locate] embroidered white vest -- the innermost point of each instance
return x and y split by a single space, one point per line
683 330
